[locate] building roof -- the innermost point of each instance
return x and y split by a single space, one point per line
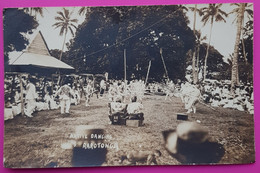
40 61
37 54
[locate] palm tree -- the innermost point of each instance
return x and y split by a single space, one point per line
65 23
249 12
199 39
34 11
234 71
211 14
194 70
84 10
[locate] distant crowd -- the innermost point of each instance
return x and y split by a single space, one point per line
42 94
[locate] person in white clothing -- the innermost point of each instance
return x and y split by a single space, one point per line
191 95
65 93
30 98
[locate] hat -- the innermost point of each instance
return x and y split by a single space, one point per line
187 132
192 132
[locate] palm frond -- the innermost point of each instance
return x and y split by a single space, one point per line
84 10
58 24
59 18
73 25
223 12
61 14
235 10
235 4
250 13
71 31
220 18
62 31
66 13
205 18
74 20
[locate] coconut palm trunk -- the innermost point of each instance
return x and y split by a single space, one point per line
62 49
194 68
234 72
243 44
198 60
207 51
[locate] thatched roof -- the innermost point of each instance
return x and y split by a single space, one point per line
38 45
37 54
40 61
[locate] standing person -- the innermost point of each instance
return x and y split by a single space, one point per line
191 95
102 87
30 98
88 92
65 93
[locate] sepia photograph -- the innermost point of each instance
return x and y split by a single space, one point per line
128 85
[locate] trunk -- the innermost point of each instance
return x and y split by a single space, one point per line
244 50
59 78
22 98
243 43
125 65
63 45
234 72
194 71
166 72
198 60
207 51
148 70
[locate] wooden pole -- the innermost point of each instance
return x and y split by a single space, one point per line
148 71
166 72
125 65
22 100
124 75
52 84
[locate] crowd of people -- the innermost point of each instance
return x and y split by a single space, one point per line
42 94
213 93
218 94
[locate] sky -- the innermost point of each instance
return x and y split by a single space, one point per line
223 34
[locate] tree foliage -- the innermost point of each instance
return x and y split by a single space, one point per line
100 41
16 24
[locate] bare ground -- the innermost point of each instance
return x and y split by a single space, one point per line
36 142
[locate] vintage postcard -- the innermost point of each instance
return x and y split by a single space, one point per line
128 85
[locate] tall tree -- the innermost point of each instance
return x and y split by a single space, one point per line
142 31
211 14
194 70
246 65
234 75
65 23
199 40
249 13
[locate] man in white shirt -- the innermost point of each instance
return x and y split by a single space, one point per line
65 93
30 98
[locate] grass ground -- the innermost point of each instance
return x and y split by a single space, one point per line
36 142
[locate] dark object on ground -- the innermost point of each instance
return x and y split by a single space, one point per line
88 157
182 117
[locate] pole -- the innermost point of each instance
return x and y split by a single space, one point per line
125 74
125 65
164 64
148 71
22 100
